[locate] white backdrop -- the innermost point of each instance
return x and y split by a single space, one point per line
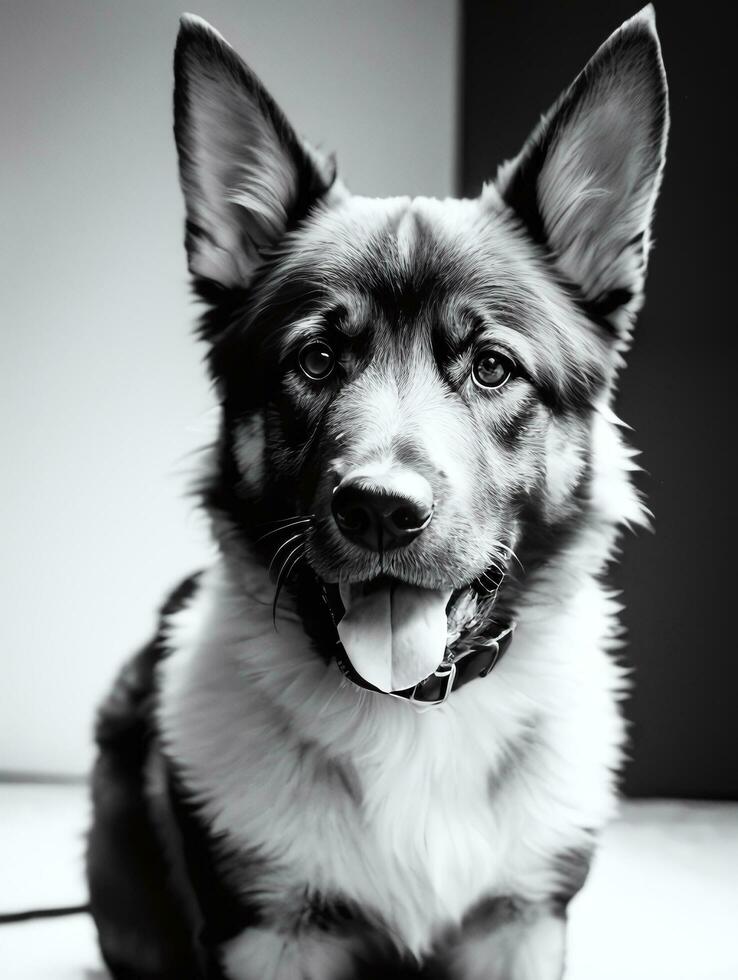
103 396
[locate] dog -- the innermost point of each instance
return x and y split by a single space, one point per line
379 736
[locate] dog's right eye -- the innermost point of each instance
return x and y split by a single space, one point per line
316 360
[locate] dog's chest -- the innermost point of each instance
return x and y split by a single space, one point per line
388 811
412 848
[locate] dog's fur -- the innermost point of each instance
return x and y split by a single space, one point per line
258 816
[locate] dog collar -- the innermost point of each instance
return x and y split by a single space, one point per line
455 670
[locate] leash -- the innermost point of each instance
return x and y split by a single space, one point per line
8 918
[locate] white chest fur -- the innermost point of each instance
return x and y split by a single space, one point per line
413 816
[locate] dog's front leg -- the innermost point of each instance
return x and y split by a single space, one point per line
509 939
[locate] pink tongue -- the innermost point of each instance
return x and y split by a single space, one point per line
395 635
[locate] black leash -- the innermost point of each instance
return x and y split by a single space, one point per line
7 918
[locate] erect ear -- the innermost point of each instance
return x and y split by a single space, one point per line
586 181
244 172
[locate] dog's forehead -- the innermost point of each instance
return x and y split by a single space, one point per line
371 239
409 255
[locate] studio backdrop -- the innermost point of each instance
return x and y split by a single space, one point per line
105 401
678 390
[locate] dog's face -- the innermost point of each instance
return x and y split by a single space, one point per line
408 385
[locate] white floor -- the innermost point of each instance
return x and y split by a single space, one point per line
661 902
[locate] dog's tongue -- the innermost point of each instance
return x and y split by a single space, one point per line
394 634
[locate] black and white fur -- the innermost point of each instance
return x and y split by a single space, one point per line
257 815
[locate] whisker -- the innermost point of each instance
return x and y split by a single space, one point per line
277 530
496 567
285 520
522 566
300 534
506 547
284 574
486 577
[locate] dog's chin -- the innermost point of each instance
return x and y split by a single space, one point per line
395 633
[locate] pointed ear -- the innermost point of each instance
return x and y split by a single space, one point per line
586 182
245 174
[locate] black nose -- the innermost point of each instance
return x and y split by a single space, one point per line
378 516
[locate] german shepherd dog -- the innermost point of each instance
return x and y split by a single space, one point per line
323 767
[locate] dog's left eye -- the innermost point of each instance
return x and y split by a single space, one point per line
316 360
492 369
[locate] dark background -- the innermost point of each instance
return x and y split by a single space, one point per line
678 390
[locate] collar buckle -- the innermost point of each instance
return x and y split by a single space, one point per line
445 672
477 661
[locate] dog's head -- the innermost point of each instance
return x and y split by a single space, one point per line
409 385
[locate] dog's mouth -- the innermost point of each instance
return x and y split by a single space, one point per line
396 634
